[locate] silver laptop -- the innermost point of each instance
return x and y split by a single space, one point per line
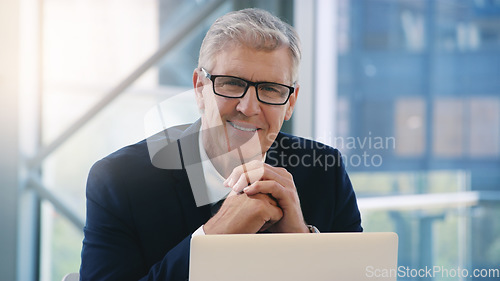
294 257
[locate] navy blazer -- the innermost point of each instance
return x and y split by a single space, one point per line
140 217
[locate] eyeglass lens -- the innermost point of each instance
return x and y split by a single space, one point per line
235 87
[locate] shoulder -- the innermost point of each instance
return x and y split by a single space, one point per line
126 185
288 141
138 157
123 161
112 178
297 151
132 166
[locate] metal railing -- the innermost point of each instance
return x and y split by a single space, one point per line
424 201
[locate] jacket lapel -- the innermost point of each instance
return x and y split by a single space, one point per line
193 216
192 175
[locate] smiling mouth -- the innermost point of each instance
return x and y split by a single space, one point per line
244 129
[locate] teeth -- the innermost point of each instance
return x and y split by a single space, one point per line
243 128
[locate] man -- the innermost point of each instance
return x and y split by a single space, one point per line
146 201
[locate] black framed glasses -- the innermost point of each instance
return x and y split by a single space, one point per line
235 87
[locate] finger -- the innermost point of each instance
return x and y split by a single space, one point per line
270 187
247 179
280 175
265 197
242 169
274 214
231 193
266 226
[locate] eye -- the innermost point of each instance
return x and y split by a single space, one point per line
230 82
270 88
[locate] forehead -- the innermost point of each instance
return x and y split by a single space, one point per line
255 65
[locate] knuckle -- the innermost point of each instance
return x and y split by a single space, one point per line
278 213
262 212
276 185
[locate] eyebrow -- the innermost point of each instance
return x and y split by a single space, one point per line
258 81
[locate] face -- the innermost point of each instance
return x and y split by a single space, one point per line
230 123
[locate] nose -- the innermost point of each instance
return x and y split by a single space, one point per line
249 105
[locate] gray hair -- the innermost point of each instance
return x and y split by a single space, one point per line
253 28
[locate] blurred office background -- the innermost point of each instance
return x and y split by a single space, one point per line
408 90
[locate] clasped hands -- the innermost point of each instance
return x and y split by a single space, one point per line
263 197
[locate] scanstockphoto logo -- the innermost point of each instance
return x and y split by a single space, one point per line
432 272
366 152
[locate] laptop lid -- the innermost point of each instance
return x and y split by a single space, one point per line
294 257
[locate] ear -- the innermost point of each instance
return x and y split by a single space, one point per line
291 103
198 88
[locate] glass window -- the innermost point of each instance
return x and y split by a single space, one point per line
424 73
88 48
